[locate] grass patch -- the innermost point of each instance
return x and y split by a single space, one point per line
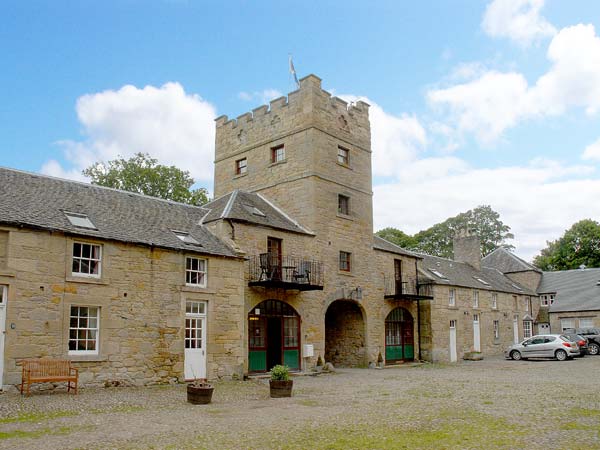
307 402
20 434
37 416
577 426
584 412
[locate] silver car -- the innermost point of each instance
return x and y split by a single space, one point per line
543 346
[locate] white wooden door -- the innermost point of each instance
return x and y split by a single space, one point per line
476 335
453 355
3 301
516 329
195 340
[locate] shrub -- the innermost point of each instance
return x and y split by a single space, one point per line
280 373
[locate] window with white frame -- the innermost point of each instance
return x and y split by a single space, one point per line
87 259
567 323
3 294
528 304
496 329
475 299
543 300
84 326
494 300
586 322
195 271
527 329
241 166
452 297
277 154
343 156
453 324
551 299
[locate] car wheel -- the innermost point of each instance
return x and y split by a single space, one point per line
516 355
561 355
593 349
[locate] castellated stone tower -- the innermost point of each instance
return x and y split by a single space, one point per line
323 179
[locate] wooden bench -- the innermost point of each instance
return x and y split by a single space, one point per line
46 370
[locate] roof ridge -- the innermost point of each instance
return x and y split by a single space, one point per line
229 204
97 186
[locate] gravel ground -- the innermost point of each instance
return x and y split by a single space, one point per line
484 404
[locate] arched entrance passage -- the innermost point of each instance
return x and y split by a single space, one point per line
344 334
399 336
273 336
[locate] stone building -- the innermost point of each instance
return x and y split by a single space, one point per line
131 288
475 308
294 195
568 298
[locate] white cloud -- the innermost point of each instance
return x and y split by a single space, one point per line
538 200
395 140
495 101
592 151
264 96
172 126
517 20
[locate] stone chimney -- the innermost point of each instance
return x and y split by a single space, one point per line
467 248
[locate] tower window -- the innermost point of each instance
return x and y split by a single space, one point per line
277 154
241 166
343 205
343 156
345 260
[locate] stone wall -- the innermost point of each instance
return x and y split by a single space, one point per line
462 313
345 343
529 278
555 319
141 295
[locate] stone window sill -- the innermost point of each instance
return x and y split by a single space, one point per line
87 358
345 216
346 273
240 175
277 163
344 165
86 280
204 290
7 273
455 308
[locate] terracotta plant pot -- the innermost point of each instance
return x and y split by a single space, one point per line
280 388
199 394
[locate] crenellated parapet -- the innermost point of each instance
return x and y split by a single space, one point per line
309 106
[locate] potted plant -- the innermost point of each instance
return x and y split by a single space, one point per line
280 383
319 364
380 361
199 392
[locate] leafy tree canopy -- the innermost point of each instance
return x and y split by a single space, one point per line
437 240
579 245
142 174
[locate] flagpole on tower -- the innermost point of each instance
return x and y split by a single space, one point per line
293 71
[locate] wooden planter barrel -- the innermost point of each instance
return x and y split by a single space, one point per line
199 395
281 388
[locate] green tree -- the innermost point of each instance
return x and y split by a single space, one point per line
483 221
397 237
579 245
142 174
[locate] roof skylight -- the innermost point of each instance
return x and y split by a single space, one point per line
186 238
437 273
254 210
80 220
482 281
516 287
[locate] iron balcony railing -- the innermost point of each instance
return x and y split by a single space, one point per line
285 272
406 288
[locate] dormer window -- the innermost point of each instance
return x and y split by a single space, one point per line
186 238
80 220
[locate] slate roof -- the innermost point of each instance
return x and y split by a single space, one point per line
462 274
507 262
39 201
381 244
576 290
249 207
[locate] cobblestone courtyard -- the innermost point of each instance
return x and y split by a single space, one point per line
486 404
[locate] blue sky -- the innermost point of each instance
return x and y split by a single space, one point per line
474 102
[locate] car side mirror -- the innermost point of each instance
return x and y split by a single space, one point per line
525 344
